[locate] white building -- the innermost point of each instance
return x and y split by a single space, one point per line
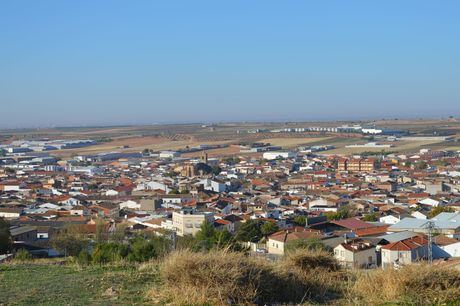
130 205
278 154
213 185
169 154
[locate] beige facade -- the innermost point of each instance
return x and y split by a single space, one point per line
189 223
355 255
356 165
275 247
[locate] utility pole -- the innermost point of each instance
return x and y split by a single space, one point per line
174 239
431 229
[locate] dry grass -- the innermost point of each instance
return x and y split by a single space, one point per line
217 278
414 284
311 259
311 276
221 277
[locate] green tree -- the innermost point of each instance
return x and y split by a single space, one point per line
205 237
300 220
110 252
119 234
69 241
440 209
308 244
101 232
187 242
216 170
203 168
209 238
84 257
231 160
5 236
269 228
223 239
250 231
342 213
422 165
372 217
143 249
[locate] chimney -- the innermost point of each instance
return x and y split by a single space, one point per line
345 240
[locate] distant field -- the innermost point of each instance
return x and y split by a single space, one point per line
136 145
176 136
231 150
399 146
295 142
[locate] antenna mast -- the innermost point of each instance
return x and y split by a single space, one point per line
431 230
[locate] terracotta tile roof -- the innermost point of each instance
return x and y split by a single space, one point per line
289 235
357 245
222 222
407 244
353 223
372 231
444 240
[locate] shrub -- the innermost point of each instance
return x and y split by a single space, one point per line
414 284
109 252
142 249
22 255
306 244
84 258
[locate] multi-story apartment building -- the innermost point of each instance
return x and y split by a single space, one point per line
356 165
188 221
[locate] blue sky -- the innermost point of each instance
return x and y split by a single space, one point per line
71 63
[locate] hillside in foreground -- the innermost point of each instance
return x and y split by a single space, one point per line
222 277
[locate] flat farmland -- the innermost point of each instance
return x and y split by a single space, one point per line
177 136
398 147
136 144
295 142
220 152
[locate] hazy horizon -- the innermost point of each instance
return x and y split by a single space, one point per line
102 63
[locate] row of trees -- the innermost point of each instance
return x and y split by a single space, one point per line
209 237
71 241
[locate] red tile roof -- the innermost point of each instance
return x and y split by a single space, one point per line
378 230
407 244
353 223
